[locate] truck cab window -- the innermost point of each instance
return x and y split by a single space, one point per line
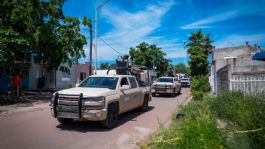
124 81
133 82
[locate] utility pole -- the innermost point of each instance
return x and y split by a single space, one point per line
96 31
90 48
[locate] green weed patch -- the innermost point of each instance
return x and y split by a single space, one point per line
233 121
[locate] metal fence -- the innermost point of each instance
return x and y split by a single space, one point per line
252 85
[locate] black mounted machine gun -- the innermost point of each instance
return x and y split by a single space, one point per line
125 67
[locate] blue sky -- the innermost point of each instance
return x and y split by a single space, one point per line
168 23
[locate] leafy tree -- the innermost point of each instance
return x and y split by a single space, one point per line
88 22
199 47
38 29
181 68
104 65
198 61
150 56
112 66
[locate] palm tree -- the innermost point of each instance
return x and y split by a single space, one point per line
200 40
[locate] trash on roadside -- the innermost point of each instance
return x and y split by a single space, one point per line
180 116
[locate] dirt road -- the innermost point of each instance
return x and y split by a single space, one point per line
35 128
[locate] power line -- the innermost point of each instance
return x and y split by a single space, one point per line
109 45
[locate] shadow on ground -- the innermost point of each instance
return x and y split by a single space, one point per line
167 95
96 126
26 99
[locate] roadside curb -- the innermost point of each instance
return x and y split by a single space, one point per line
35 106
186 100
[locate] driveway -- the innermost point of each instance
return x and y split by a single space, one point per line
35 128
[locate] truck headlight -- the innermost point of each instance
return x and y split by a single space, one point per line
94 102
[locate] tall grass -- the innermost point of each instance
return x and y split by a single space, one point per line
244 113
200 128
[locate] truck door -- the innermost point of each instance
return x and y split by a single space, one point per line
176 84
125 101
136 92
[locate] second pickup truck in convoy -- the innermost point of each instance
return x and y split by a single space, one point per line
166 85
100 98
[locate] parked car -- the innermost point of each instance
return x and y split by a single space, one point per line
100 98
166 85
185 82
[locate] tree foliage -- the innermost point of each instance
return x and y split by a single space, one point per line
199 47
181 68
198 61
38 29
88 22
150 56
200 40
104 66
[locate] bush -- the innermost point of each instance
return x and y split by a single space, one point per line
197 130
199 86
200 134
244 112
200 127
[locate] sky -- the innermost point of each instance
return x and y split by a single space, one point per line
169 23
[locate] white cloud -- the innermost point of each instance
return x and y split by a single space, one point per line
131 28
205 22
235 40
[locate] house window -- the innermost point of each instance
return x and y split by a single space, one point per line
82 76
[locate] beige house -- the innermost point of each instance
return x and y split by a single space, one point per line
233 69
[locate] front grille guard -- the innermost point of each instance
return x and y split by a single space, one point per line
80 98
158 87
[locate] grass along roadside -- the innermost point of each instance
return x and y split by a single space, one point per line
216 122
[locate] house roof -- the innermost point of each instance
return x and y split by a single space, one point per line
259 56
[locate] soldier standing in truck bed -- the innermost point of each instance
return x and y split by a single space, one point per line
170 73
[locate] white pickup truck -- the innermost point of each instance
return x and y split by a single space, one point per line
100 98
166 85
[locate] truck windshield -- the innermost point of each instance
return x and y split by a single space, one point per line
165 80
100 82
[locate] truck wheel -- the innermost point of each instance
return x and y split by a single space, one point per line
144 106
64 120
112 117
174 93
179 91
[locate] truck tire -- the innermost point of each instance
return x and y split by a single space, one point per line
144 106
174 93
64 120
179 92
112 117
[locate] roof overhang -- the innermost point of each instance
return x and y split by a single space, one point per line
259 56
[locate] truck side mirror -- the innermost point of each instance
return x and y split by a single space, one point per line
125 87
